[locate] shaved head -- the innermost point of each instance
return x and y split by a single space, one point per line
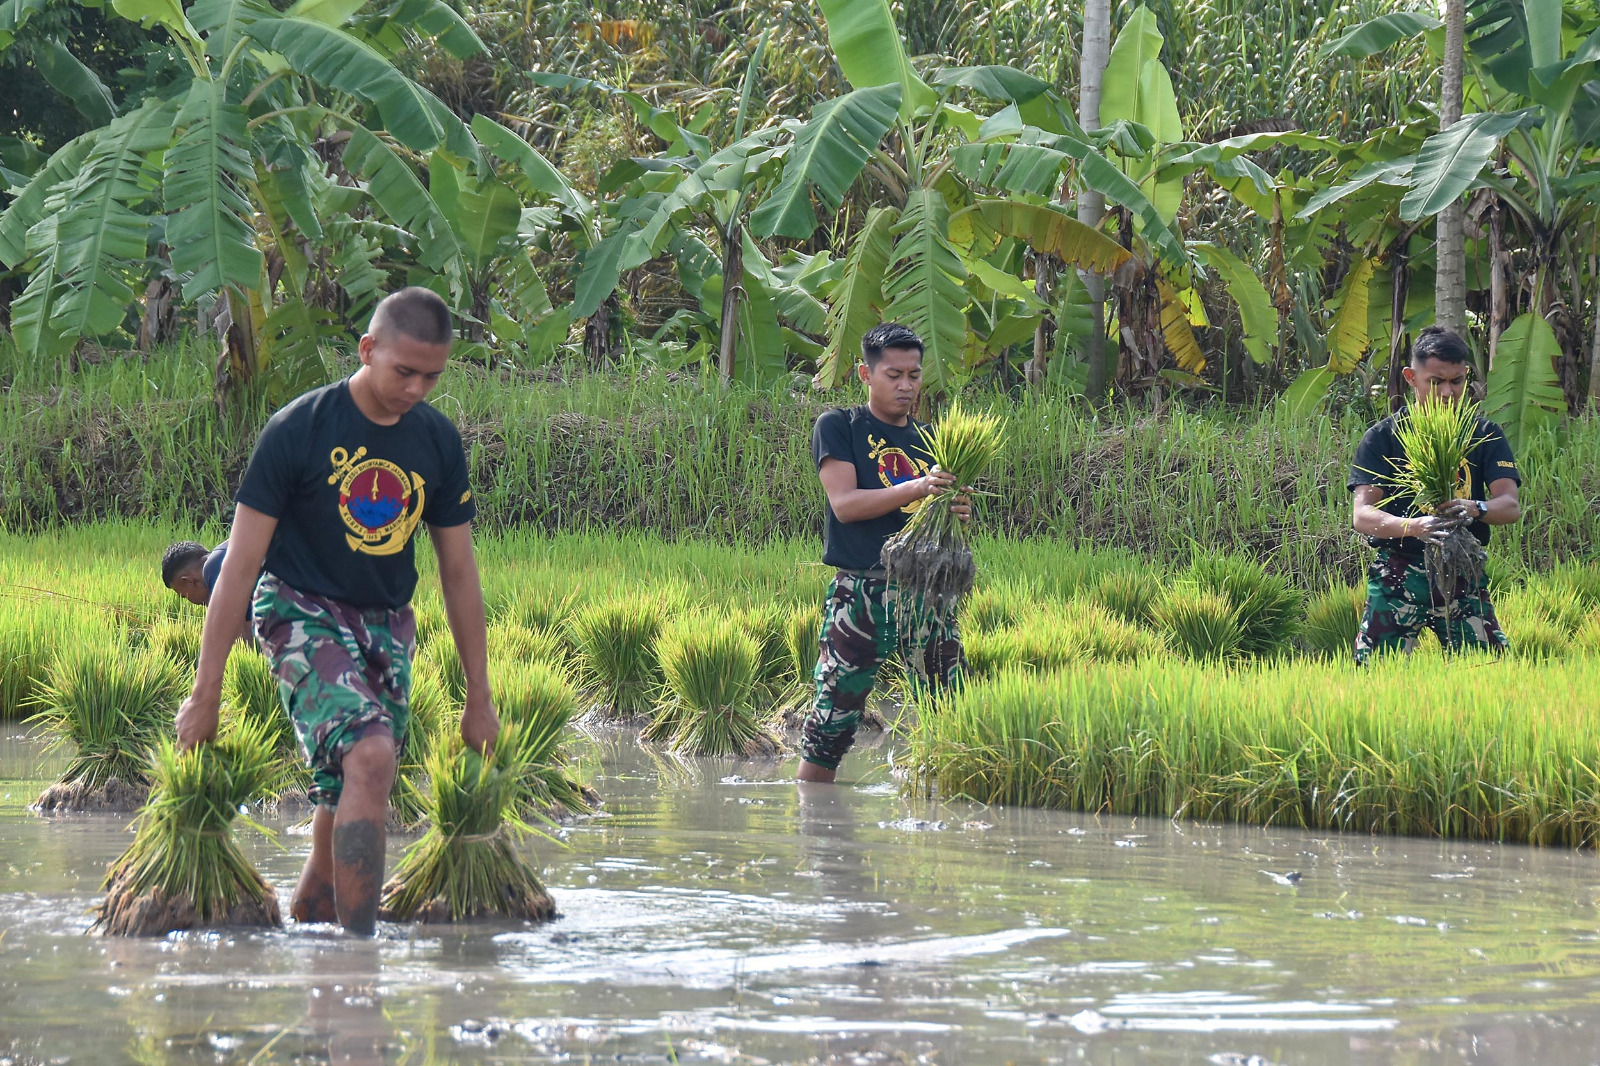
413 312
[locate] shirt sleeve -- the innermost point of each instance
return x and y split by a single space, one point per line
1497 459
831 439
275 467
450 503
1370 465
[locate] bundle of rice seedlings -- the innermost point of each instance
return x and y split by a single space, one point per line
176 638
767 625
109 705
1435 438
540 700
989 609
1581 579
616 645
1333 618
1533 633
431 716
930 556
514 643
433 625
546 611
440 659
1200 625
710 674
467 866
1268 609
1070 633
1129 594
1586 641
802 644
250 692
184 869
30 634
1559 603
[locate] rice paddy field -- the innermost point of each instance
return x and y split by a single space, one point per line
1164 820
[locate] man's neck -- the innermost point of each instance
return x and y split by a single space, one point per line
362 397
885 418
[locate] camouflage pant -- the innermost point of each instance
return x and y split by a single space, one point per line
1400 604
342 671
864 622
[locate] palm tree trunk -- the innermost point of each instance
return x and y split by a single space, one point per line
1450 284
1091 205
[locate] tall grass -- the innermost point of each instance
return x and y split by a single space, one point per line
1477 748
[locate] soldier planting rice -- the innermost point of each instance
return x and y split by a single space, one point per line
338 483
1428 483
875 467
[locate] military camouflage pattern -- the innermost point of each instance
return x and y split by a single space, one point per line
1400 605
864 621
342 671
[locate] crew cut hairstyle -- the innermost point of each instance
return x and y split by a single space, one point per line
888 335
179 557
1437 342
416 312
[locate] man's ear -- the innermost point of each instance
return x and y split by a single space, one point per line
364 348
1410 374
862 372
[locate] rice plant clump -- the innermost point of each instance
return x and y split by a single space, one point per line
514 643
616 645
930 556
767 625
988 609
184 870
30 636
1268 609
1200 625
1435 438
467 865
1129 594
109 705
439 658
710 676
1333 618
250 691
177 639
541 702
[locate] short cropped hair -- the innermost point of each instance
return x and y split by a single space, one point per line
179 557
889 335
416 312
1437 342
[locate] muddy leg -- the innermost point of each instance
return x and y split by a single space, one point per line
313 896
358 832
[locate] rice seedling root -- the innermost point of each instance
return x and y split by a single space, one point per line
128 912
116 796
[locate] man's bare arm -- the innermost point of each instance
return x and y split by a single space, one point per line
853 504
463 606
227 615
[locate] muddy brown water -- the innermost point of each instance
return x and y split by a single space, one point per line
713 915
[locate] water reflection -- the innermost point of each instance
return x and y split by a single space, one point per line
344 1007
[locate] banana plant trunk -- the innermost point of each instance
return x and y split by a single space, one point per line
1399 343
1450 284
1091 205
732 274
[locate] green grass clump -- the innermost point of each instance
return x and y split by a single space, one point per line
1535 632
250 691
467 865
1405 745
540 700
988 609
1333 618
1129 594
1268 610
616 645
1558 602
184 870
176 638
109 705
710 670
1200 625
1580 579
930 555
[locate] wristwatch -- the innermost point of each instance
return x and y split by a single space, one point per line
1483 507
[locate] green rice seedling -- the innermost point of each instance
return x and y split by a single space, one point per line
766 624
540 610
184 870
802 646
1559 603
1129 594
1533 633
1586 641
709 667
467 865
988 609
930 556
616 645
31 634
539 699
1435 438
1060 635
1580 579
250 692
512 643
1332 620
176 638
108 705
1200 625
433 625
1268 610
432 716
440 659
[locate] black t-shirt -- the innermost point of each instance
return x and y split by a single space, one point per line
348 494
1379 454
211 566
884 456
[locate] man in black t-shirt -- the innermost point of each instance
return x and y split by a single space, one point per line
191 571
338 483
876 473
1400 601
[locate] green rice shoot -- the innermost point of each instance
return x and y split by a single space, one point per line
710 669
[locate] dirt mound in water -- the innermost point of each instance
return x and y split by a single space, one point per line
154 913
115 795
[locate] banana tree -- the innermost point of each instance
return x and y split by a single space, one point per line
282 129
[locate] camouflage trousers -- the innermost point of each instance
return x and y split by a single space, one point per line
343 673
1401 604
864 621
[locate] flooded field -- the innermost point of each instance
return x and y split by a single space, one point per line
715 915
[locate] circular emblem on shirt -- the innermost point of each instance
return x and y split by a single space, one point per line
379 503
